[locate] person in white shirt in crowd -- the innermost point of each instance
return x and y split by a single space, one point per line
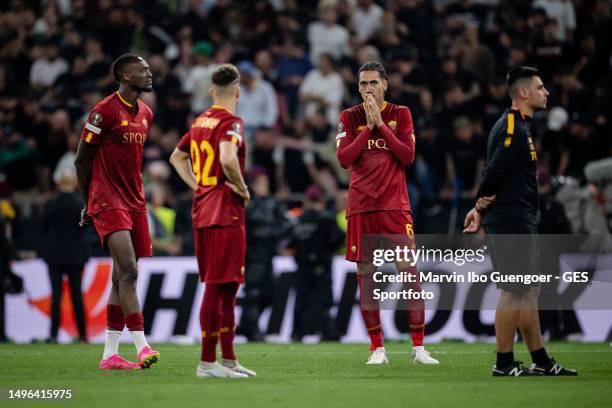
563 11
199 77
326 35
47 68
258 104
367 20
322 88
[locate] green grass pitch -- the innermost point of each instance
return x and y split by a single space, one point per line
327 374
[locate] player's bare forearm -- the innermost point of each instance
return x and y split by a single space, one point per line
403 151
228 158
348 153
231 169
180 161
83 163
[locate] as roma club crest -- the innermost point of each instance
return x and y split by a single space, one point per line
392 124
95 119
144 122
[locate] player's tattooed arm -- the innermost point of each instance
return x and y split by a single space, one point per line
83 162
180 161
228 157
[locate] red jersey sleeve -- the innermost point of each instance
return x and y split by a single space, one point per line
348 145
233 132
401 146
99 123
183 144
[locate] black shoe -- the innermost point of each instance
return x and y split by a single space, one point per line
515 369
552 368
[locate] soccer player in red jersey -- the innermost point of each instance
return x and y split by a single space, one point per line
376 142
108 162
210 159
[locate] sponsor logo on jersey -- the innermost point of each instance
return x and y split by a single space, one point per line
134 137
377 144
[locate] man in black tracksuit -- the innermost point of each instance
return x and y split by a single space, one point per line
316 239
507 203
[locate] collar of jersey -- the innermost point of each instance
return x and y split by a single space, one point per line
220 107
524 117
126 103
383 107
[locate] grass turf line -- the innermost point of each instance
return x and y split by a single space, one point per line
327 374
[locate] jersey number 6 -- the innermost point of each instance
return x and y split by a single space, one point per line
202 174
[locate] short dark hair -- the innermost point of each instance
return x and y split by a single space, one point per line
519 75
120 63
374 66
224 75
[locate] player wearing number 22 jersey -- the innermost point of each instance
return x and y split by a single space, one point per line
215 205
210 159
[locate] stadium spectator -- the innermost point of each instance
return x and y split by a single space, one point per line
326 35
258 105
48 67
367 20
322 88
198 79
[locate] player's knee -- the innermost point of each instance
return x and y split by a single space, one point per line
514 295
365 268
129 273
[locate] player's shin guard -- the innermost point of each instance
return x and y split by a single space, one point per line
370 311
228 321
210 322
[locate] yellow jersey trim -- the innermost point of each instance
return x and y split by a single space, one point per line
220 107
510 129
126 103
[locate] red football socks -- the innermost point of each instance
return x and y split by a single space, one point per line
228 322
415 311
370 311
114 318
218 321
210 321
135 322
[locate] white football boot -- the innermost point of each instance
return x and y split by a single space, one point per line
236 367
216 370
423 357
379 356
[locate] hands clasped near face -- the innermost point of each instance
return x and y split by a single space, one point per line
372 112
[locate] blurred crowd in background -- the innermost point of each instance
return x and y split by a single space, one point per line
298 60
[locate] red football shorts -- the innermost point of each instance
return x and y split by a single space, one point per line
220 252
107 222
397 223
